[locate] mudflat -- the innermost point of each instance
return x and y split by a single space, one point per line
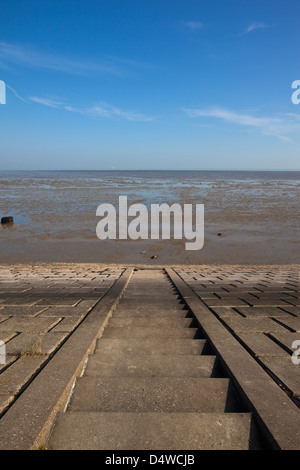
250 217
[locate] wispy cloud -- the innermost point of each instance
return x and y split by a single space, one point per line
276 126
27 56
46 102
250 28
192 25
103 110
253 26
106 110
16 93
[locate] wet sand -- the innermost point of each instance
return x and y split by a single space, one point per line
257 214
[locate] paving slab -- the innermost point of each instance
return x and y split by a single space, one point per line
66 325
294 302
78 311
15 377
9 360
292 310
226 302
292 323
269 303
5 401
223 312
6 336
284 369
286 339
28 324
44 296
58 302
18 301
23 311
273 312
208 295
261 345
35 343
259 325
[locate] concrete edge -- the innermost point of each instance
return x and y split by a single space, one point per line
277 415
27 424
101 265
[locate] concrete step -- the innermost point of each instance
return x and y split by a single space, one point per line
151 302
152 366
152 431
142 332
161 288
162 322
117 348
166 395
157 296
139 311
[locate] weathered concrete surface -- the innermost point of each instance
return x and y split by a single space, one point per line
152 366
153 387
34 318
145 332
168 395
257 378
153 431
116 349
26 423
261 345
157 366
162 322
19 373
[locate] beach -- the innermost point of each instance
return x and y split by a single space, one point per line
142 344
250 217
149 228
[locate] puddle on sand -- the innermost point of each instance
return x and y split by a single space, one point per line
19 219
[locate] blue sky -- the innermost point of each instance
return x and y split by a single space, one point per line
194 84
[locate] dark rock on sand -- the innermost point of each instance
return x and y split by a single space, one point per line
7 220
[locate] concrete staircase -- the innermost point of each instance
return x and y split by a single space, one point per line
153 383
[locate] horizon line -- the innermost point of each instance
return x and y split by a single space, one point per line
156 169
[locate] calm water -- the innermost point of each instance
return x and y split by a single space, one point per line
55 215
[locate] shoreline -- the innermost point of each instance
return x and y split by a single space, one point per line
145 266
